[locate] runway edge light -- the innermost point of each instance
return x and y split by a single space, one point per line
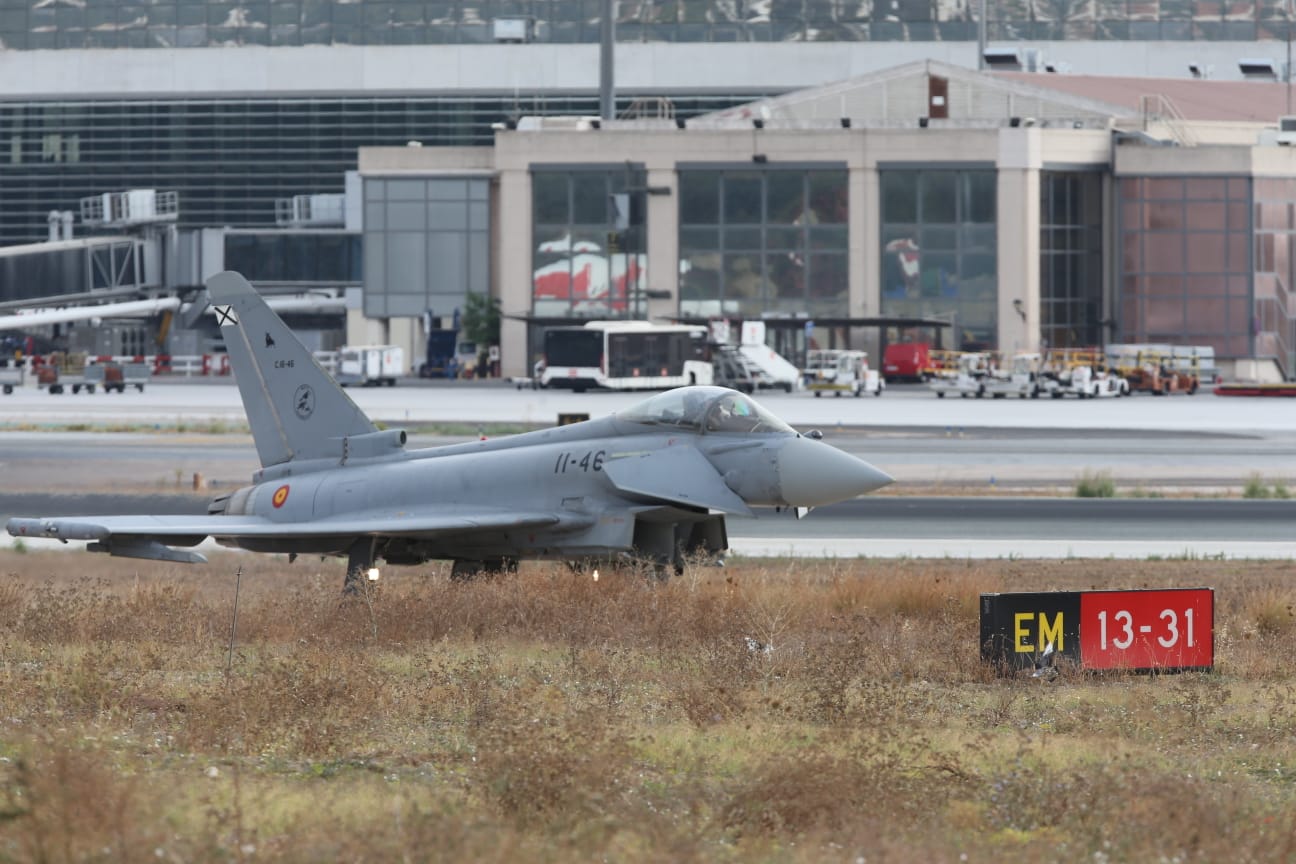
1143 630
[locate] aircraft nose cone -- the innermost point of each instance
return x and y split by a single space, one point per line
812 474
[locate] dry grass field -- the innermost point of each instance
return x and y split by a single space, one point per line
545 716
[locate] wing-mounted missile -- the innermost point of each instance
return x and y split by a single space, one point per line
678 475
143 547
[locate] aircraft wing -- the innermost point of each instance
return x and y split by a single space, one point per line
680 475
145 536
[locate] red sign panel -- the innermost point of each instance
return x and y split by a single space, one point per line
1171 629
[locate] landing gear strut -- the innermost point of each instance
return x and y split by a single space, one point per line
360 560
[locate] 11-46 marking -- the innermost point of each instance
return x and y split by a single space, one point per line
591 461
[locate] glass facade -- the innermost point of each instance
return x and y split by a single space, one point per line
939 253
331 257
1275 271
1185 262
39 24
229 159
589 254
1071 259
768 240
426 245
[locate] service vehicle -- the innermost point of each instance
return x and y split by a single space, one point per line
112 375
770 369
12 374
532 381
1157 369
731 369
841 371
1083 373
911 361
1024 377
969 377
370 365
626 355
66 371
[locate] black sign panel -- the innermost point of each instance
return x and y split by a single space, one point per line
1016 628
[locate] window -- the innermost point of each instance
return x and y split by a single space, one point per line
1071 260
1187 269
763 241
584 263
939 253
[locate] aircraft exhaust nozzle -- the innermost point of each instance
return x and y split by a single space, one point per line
813 474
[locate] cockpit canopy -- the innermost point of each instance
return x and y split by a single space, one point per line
706 409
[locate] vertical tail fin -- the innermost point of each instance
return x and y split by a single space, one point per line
295 409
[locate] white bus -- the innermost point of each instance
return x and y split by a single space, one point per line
625 355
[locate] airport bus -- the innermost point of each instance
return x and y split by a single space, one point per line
625 355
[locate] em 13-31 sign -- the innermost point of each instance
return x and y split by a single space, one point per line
1162 630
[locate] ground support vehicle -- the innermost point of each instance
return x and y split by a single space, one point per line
1160 379
111 375
911 361
1080 372
969 377
522 382
1160 376
771 369
441 359
731 369
1163 369
1087 382
1024 378
65 371
368 365
846 372
12 374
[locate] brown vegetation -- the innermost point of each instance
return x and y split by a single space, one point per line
773 711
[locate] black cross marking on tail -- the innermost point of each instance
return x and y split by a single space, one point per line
226 315
269 341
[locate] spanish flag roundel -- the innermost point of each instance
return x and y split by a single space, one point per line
280 496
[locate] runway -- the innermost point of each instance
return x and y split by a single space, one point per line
1201 445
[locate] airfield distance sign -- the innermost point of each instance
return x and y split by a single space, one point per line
1148 629
1158 630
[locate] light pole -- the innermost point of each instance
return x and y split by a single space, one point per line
981 34
607 43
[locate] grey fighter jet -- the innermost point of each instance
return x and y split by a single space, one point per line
654 482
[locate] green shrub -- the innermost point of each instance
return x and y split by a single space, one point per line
1095 485
1255 487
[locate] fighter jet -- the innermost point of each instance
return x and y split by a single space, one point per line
653 483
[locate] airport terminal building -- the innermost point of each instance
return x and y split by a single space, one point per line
1027 210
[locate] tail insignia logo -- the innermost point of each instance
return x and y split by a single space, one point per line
304 401
280 496
269 341
226 316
